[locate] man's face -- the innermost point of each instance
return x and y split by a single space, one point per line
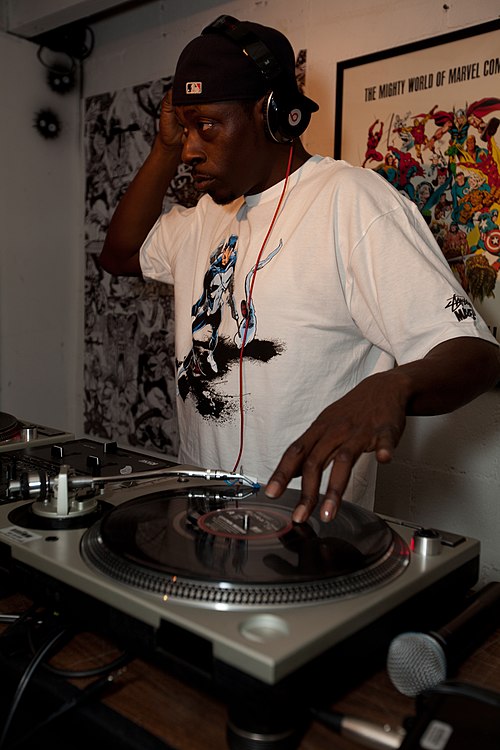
225 145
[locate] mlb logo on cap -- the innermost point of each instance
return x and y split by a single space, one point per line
193 87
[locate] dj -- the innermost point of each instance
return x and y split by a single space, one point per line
313 309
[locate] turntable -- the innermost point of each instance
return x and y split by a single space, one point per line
203 571
17 433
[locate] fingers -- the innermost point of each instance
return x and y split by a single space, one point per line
166 106
310 456
339 478
170 130
289 467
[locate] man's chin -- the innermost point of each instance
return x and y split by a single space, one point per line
222 199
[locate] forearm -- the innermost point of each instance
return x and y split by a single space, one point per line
138 210
452 374
372 417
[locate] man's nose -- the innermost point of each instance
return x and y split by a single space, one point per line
192 153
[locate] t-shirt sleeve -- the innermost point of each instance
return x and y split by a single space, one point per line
170 233
399 287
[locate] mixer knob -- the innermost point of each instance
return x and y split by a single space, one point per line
94 463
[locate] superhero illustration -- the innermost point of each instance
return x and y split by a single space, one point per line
374 137
489 236
209 359
457 125
414 135
448 164
207 311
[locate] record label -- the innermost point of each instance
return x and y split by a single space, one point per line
248 523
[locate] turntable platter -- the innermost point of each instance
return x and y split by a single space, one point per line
9 426
213 546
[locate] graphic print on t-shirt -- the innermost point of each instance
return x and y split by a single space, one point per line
210 359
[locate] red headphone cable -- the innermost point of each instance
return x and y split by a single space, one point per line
248 301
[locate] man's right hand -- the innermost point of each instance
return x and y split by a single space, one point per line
170 130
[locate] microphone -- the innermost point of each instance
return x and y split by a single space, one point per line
419 661
361 731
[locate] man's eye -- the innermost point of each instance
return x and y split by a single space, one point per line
203 126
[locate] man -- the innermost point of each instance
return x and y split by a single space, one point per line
337 277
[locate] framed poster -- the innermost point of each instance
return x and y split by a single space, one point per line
426 116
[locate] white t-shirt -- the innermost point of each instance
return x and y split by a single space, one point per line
349 282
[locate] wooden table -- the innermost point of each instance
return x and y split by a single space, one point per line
185 718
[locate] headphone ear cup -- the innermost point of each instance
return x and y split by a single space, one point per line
284 119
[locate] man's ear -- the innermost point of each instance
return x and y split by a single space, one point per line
259 111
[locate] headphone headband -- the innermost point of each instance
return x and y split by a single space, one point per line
250 44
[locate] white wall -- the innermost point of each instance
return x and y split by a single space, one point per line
447 475
41 211
447 470
29 18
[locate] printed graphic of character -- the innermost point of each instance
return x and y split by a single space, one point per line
208 362
488 160
388 170
415 134
489 235
248 310
207 310
408 168
457 124
374 137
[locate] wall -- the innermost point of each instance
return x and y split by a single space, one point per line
41 287
29 18
447 475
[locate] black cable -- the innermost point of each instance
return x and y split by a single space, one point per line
20 620
15 621
57 65
124 658
86 694
112 666
67 44
106 673
25 678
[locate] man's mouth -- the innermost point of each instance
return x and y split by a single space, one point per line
201 182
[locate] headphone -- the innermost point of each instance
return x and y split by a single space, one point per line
286 114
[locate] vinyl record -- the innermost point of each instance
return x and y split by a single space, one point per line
217 544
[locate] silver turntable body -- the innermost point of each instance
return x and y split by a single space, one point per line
267 640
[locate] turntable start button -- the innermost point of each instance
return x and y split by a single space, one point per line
261 628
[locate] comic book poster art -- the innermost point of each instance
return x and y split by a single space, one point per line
426 117
129 380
